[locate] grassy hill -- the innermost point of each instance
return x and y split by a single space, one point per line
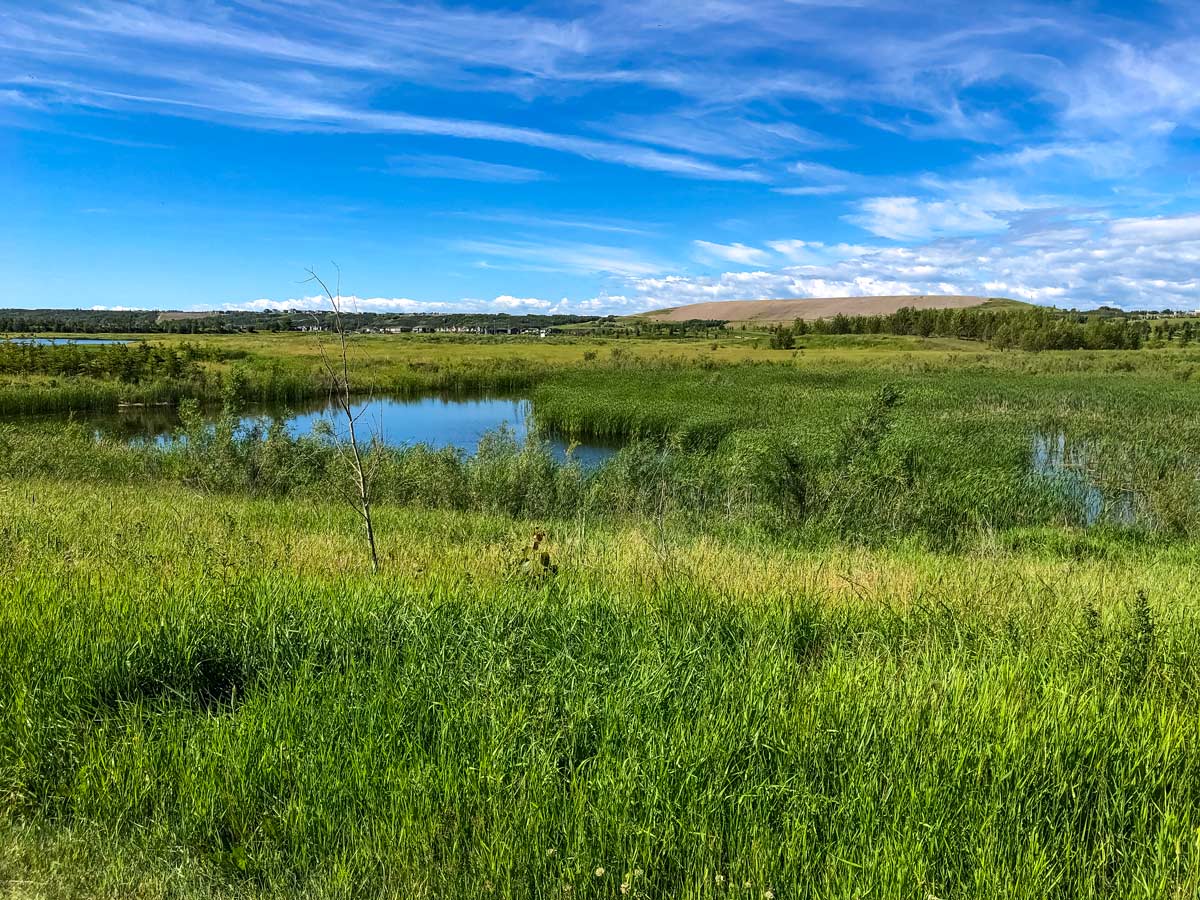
770 312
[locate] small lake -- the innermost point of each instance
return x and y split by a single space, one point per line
438 421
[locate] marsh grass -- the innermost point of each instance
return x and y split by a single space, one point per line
818 725
818 630
817 453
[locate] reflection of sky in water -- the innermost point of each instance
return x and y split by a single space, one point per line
440 422
1065 463
435 421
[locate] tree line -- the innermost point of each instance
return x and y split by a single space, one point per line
1024 329
93 321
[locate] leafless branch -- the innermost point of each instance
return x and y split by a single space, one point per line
337 370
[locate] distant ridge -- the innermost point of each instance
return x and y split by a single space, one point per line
788 310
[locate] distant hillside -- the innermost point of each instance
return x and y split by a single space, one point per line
769 312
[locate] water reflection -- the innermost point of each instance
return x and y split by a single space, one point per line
437 421
1067 464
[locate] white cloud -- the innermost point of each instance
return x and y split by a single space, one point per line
348 302
1162 229
911 218
813 190
796 250
735 253
507 302
1135 263
544 256
461 169
1121 83
703 132
14 98
554 221
601 304
1109 159
823 180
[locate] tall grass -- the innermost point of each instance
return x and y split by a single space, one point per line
838 726
822 628
954 455
260 378
798 448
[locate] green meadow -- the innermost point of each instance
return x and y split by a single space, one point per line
874 616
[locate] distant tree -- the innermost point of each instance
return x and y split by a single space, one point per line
782 338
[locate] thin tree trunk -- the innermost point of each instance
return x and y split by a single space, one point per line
340 383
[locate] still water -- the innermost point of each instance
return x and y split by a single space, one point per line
1066 463
438 421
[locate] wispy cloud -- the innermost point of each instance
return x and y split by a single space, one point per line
934 127
591 259
556 221
461 169
271 108
812 190
867 60
910 218
797 250
735 253
819 179
718 133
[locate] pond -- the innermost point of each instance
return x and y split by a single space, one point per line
438 421
1066 463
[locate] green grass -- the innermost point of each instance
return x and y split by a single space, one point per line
837 641
787 442
954 455
220 683
288 367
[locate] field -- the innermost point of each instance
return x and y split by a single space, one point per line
876 617
770 312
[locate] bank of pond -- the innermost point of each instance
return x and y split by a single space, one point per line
446 450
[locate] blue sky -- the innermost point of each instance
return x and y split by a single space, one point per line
609 156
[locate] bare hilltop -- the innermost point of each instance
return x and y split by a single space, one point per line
790 309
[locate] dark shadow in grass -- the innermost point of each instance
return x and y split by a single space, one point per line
199 671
